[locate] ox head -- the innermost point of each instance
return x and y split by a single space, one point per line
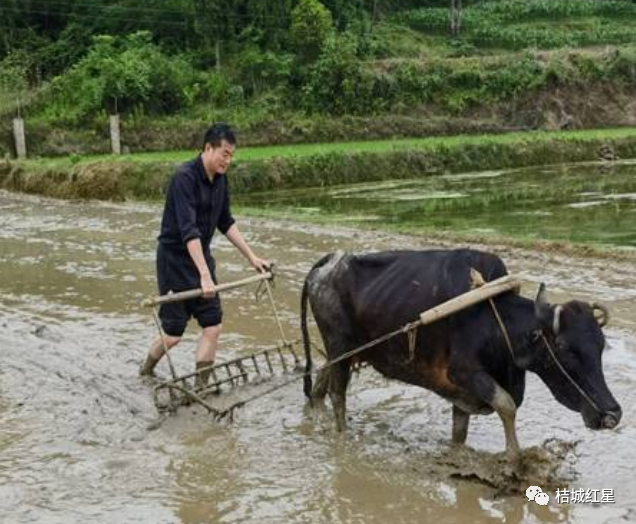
573 332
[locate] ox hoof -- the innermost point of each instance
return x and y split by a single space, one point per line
514 459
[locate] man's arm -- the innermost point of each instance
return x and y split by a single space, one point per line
196 253
236 237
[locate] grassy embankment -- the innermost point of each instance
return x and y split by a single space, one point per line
143 176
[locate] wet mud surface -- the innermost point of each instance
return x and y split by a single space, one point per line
76 436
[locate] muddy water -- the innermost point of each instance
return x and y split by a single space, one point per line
74 439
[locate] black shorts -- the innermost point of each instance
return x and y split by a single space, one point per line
176 272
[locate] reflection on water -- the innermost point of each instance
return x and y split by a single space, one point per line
590 203
74 417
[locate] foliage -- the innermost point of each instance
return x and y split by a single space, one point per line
119 74
78 60
13 83
258 70
311 25
338 82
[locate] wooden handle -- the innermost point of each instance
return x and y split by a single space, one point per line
196 293
470 298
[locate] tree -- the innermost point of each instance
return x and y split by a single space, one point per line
13 83
311 25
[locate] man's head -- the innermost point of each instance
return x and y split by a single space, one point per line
219 144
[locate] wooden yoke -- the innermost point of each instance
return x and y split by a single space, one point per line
470 298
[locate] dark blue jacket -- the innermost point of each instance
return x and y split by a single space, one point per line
195 207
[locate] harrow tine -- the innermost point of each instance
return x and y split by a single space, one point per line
269 363
215 378
255 362
290 348
242 371
282 359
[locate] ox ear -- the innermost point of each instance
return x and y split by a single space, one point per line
548 316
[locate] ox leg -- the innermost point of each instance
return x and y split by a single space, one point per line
506 408
321 387
338 380
487 390
460 425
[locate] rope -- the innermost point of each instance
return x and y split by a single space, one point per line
276 315
164 344
568 376
477 280
502 326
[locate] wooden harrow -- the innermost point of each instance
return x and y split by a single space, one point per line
224 377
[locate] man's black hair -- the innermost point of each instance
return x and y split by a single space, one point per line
218 132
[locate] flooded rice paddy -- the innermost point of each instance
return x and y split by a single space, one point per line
75 443
591 203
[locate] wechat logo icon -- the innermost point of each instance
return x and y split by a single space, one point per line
536 493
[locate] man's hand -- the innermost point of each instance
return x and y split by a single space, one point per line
259 264
207 285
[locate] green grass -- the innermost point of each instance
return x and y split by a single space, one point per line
302 150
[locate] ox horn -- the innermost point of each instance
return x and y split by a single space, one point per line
541 295
601 314
556 322
547 315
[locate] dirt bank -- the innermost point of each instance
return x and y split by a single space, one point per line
122 180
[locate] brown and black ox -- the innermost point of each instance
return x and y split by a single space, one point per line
465 357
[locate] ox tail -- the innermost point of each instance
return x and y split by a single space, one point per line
307 381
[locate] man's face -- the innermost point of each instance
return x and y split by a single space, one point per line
218 159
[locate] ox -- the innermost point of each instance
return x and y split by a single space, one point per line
465 357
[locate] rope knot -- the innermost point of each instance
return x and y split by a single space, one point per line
476 279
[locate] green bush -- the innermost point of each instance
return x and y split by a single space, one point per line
118 75
338 83
622 66
311 26
259 70
13 82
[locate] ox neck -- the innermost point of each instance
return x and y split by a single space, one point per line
524 331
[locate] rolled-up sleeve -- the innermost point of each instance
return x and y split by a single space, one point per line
185 207
225 218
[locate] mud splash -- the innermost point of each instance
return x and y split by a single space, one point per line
549 466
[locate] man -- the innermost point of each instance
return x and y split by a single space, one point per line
197 203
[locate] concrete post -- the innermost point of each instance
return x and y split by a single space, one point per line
115 137
20 137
